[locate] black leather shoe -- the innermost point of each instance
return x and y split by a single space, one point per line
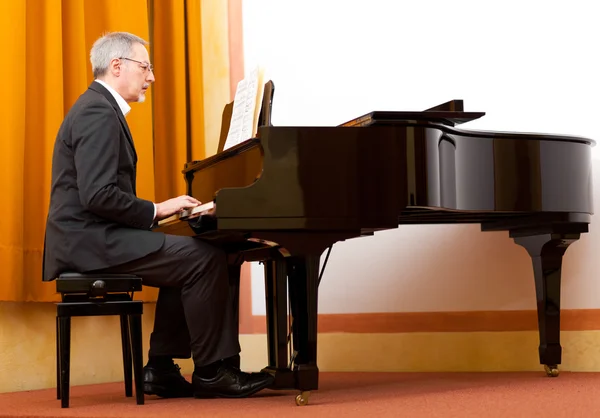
230 382
166 383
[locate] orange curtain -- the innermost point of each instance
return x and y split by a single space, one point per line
192 68
45 67
171 95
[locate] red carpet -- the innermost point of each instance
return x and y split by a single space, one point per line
347 394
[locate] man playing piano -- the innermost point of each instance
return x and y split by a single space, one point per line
97 224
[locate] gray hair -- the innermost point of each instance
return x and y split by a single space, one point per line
110 46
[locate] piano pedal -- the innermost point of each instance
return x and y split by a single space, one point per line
302 399
551 370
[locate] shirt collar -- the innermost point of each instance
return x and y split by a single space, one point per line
123 105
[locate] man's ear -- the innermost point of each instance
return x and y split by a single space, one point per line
115 67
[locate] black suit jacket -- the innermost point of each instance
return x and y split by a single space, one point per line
95 219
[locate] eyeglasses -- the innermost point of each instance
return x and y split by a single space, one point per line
145 66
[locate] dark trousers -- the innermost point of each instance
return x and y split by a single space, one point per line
197 311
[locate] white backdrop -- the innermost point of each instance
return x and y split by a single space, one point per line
531 65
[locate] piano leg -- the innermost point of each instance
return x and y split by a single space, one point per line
277 328
303 275
546 251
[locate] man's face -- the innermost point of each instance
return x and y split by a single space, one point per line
136 74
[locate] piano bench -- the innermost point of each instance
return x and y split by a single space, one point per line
100 295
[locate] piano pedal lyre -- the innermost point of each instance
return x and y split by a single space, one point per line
551 370
302 398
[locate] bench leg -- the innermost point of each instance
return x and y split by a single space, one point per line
57 359
64 330
125 343
135 326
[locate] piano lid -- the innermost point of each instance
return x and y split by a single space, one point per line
448 113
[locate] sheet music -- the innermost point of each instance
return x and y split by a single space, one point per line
250 105
237 116
243 114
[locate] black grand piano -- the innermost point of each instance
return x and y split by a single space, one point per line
288 195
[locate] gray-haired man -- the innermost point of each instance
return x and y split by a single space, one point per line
96 223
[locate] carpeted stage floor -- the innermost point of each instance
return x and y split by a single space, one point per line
347 395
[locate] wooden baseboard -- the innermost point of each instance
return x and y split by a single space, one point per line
471 321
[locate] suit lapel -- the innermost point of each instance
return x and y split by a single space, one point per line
99 88
127 132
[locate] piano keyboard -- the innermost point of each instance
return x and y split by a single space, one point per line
191 213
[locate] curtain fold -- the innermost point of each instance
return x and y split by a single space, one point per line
171 97
43 112
45 67
12 161
196 112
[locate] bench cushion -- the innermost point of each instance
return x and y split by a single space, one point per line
97 283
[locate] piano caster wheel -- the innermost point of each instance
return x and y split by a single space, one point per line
551 370
302 399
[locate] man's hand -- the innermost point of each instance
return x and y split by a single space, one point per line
175 205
